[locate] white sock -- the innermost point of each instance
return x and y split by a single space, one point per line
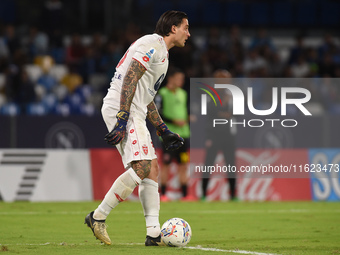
149 197
120 190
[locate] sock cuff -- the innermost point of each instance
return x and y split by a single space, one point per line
150 182
134 176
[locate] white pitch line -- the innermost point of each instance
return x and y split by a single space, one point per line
186 247
232 251
292 211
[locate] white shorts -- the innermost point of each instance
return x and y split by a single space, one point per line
137 144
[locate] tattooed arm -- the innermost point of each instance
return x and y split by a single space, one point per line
153 115
133 74
171 140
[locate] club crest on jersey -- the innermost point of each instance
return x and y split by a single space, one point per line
148 55
145 149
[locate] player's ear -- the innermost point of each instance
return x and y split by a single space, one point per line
173 29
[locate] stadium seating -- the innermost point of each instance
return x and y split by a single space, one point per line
38 109
33 71
10 109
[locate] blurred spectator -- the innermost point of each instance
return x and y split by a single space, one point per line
110 58
254 62
11 39
179 56
300 68
38 43
297 50
312 58
327 46
89 64
172 103
27 92
97 44
329 90
57 49
204 67
327 66
11 88
214 39
337 73
275 65
237 70
4 50
12 72
75 51
261 40
220 143
234 46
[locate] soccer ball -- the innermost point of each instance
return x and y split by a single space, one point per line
176 232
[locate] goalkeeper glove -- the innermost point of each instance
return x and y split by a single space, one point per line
118 132
172 141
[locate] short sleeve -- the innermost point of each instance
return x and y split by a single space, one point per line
145 54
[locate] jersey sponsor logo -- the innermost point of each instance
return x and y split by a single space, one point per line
159 82
148 55
151 92
145 149
118 76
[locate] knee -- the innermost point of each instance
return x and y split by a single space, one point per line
154 171
142 168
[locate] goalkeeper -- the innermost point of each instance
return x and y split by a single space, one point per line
126 106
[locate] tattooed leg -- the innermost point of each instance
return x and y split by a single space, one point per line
142 168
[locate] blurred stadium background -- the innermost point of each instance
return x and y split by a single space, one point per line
57 59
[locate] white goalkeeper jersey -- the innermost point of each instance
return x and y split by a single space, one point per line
151 51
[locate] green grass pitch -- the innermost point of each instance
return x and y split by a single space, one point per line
218 228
